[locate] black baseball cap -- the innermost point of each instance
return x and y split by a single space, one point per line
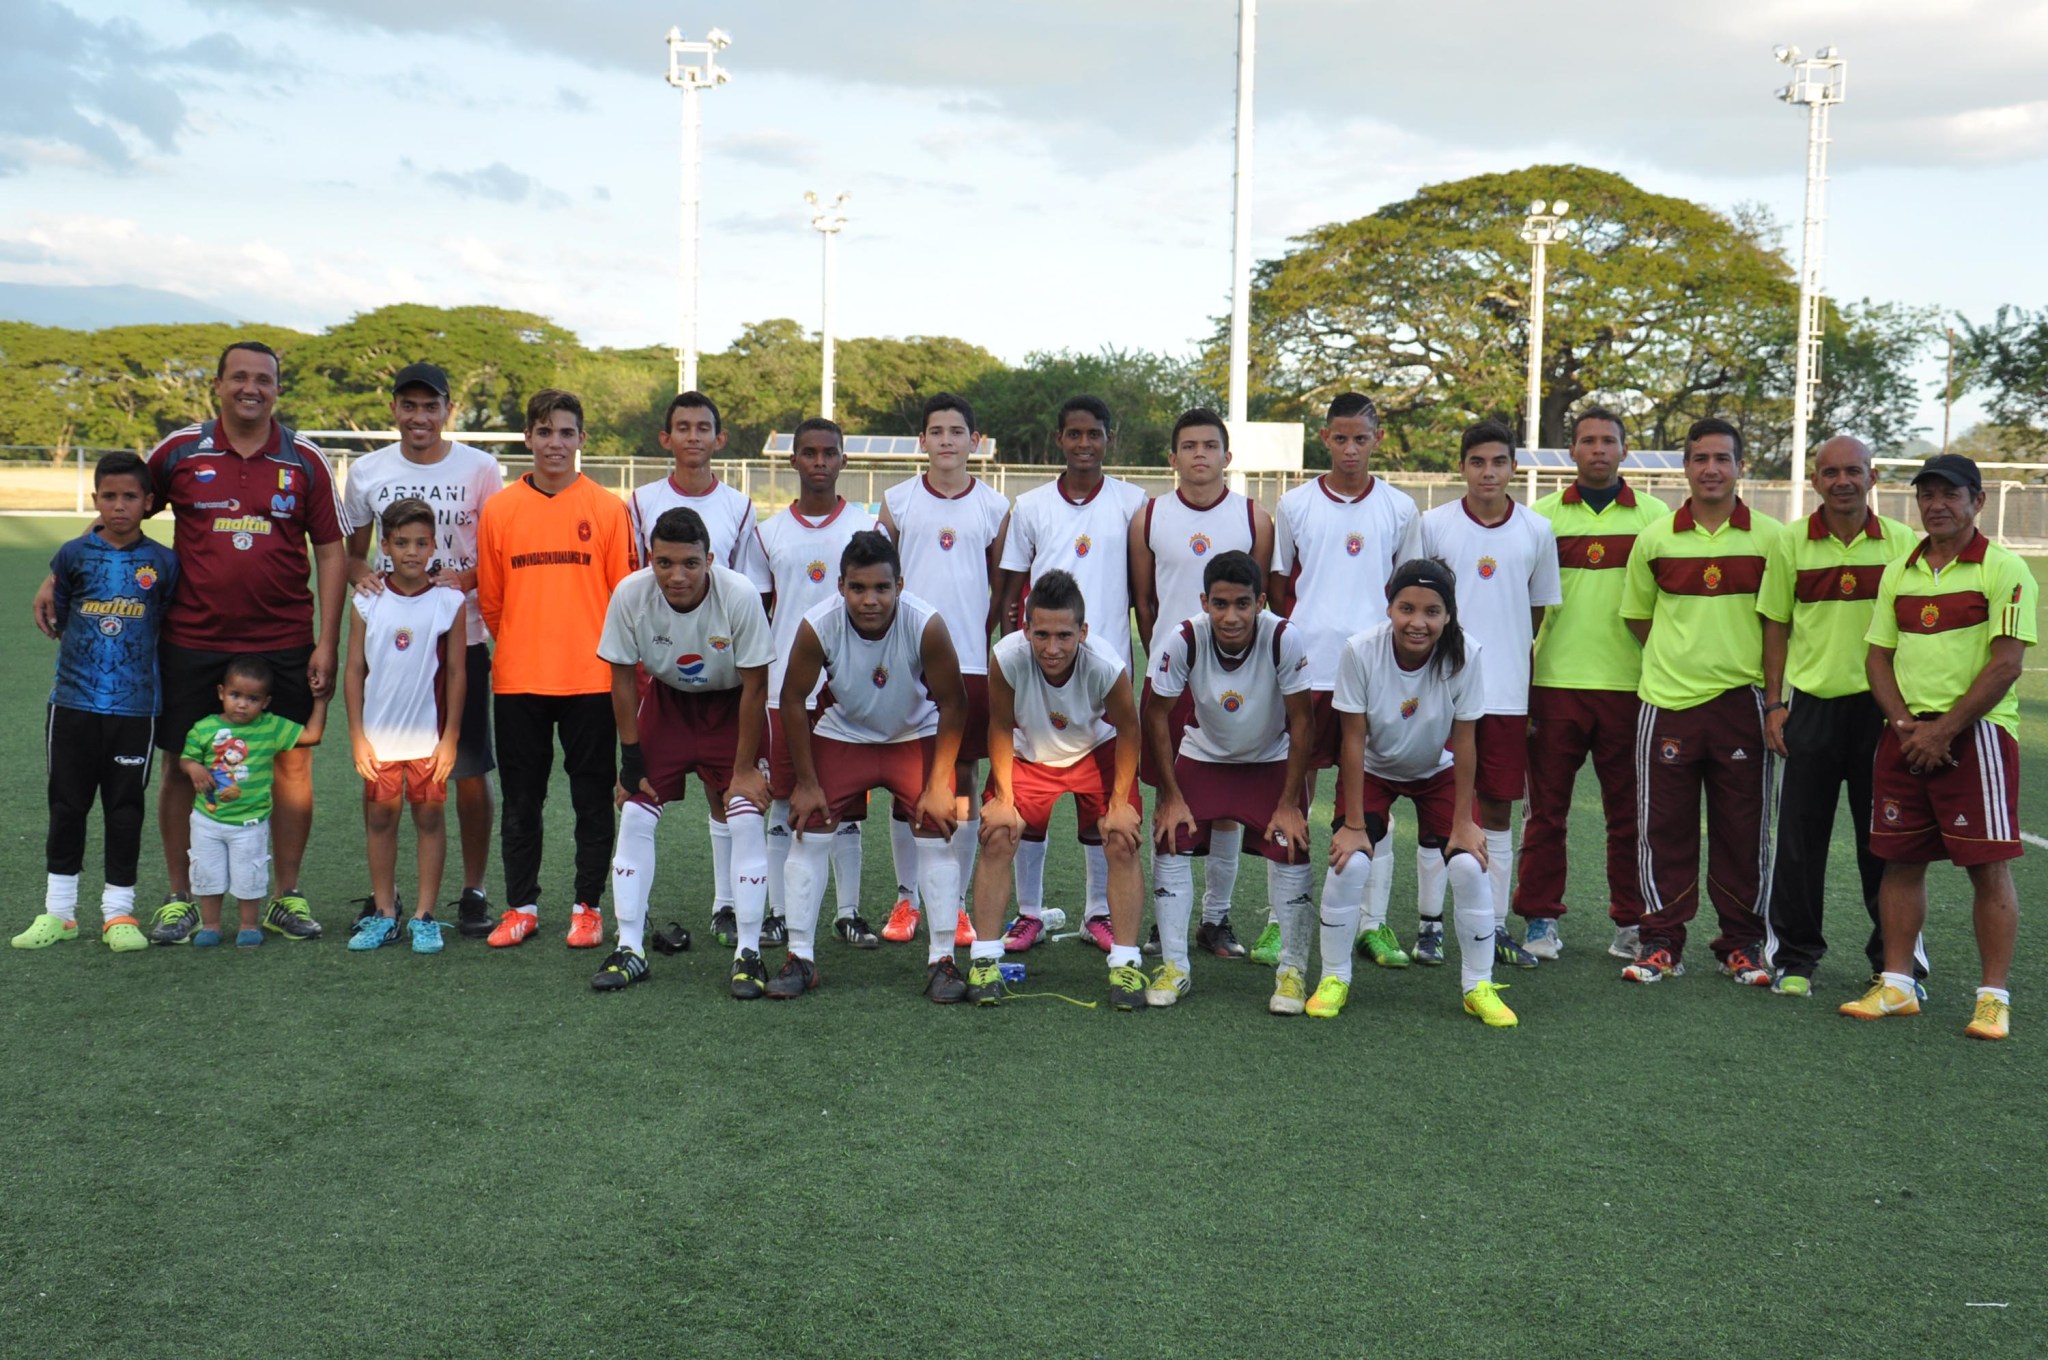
1952 468
429 376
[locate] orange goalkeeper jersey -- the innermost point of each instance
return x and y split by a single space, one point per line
545 570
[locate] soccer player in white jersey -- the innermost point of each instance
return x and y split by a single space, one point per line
455 479
1171 541
948 525
693 434
1505 556
1078 523
1410 693
800 545
697 633
1335 542
1062 720
1243 761
894 723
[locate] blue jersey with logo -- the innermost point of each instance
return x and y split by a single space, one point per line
112 601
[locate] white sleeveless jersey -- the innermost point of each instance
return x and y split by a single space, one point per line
1183 539
696 652
1338 551
1503 570
1087 540
402 642
878 692
799 566
1408 714
1240 713
944 543
727 512
1057 725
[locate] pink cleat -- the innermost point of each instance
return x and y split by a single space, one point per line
1097 929
1024 932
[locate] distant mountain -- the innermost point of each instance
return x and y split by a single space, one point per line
95 307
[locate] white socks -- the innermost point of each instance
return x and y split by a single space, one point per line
1472 909
779 839
1429 883
1500 871
721 863
1030 878
1287 897
846 867
1173 900
903 854
1379 888
966 840
1343 904
1219 879
938 881
60 897
116 902
810 860
747 851
633 873
1098 881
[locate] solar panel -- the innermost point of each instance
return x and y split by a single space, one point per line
1648 460
902 447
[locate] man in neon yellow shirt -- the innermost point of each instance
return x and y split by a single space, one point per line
1947 640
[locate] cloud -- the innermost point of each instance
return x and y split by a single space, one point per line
771 147
570 101
501 183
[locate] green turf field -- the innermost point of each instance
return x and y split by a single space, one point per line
299 1151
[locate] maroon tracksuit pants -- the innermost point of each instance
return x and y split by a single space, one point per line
1716 749
1565 726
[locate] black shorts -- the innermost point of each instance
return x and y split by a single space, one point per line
474 755
191 685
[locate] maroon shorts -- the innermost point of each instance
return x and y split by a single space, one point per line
1325 732
1435 800
848 771
781 770
414 778
685 734
1091 779
974 737
1966 813
1177 719
1502 745
1245 794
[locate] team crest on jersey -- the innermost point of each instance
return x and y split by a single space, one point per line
1891 810
1669 749
1848 583
243 541
1930 614
1059 720
402 639
1082 545
1596 552
880 677
947 538
1711 577
1354 544
110 626
1232 701
690 667
816 572
1198 544
145 577
583 531
1487 567
719 643
203 474
1408 707
284 479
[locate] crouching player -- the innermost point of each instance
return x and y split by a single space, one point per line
898 707
1061 720
1408 694
1244 759
702 637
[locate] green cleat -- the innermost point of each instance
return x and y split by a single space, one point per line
175 921
1484 1002
1127 988
123 935
291 916
1328 1002
1267 949
985 982
1381 946
46 930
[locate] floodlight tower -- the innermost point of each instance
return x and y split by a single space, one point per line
1241 218
1819 82
1543 227
828 220
692 78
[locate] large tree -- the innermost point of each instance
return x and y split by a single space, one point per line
1145 392
2007 358
495 360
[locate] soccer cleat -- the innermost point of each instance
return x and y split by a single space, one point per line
1654 966
1170 982
1881 1000
774 931
1380 945
291 916
1484 1001
586 927
473 914
901 927
425 933
943 983
123 934
1150 949
1290 992
1627 943
855 931
1219 939
175 921
1328 1002
1506 951
373 931
46 930
963 931
1540 938
1098 931
206 937
1793 984
796 976
513 928
725 927
1991 1020
1744 969
1919 986
675 939
248 938
1429 944
985 982
1127 988
749 977
1266 949
622 968
1023 933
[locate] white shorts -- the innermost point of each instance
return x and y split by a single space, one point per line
230 860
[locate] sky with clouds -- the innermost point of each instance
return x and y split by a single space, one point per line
1037 175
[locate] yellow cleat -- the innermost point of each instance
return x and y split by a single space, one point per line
1881 1000
1170 982
1484 1001
1328 1002
1992 1020
1290 992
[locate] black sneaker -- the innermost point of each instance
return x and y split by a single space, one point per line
1219 939
473 914
796 976
366 907
749 977
1127 988
774 932
291 916
725 927
674 940
943 983
175 921
622 968
1150 949
857 932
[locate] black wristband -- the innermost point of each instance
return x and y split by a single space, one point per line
631 768
1775 708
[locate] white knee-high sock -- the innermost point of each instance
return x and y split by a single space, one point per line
1173 901
1030 878
60 897
810 861
1343 904
1472 909
938 881
1219 879
966 840
721 863
1379 883
846 868
1098 881
903 853
778 854
1288 899
749 850
633 874
1429 883
1500 872
116 902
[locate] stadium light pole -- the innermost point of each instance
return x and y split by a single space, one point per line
692 78
1818 82
1542 228
828 220
1241 218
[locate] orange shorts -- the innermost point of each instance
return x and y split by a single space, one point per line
414 778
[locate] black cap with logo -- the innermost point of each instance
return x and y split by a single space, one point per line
429 376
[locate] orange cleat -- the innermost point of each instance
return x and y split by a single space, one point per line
902 927
963 934
586 927
513 928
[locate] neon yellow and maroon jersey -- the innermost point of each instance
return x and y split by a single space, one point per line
1699 589
1825 589
1939 625
1584 643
